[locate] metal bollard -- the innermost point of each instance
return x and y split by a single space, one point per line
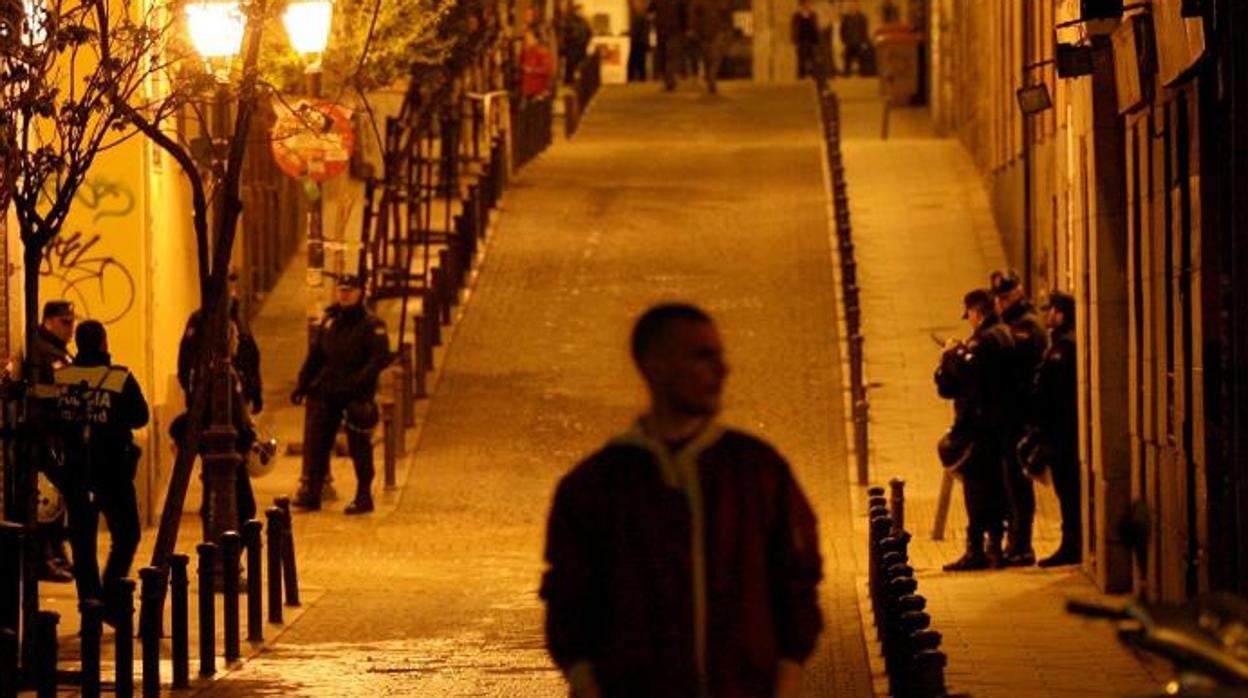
8 663
179 622
207 609
929 674
255 580
405 396
897 504
123 638
389 440
231 550
290 572
151 613
92 611
861 441
45 653
421 360
438 316
274 534
11 536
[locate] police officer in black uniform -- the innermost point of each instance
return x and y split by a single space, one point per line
339 381
1055 425
1031 339
970 374
98 404
248 392
50 351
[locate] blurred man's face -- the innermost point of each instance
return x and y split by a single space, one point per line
1006 301
1053 317
62 327
686 369
348 295
975 317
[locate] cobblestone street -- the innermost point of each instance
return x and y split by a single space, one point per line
721 201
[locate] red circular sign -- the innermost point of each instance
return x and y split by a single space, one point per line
313 140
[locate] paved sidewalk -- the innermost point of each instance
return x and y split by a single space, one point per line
923 236
659 196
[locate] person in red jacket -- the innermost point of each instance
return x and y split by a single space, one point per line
683 557
537 67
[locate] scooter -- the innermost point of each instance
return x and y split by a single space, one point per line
1206 640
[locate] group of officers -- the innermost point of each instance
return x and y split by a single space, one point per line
87 408
1014 392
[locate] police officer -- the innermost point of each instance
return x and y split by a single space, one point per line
339 381
1031 339
248 391
1056 424
50 351
246 358
98 405
969 374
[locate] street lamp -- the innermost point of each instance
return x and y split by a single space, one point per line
216 30
307 24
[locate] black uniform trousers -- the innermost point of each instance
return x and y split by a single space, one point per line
982 493
116 500
1067 484
807 60
1019 491
320 426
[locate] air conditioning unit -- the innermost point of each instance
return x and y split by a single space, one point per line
1088 10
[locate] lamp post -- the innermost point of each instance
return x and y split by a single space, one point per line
216 30
307 25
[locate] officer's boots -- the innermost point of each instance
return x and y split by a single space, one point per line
308 497
1019 553
362 504
973 559
994 553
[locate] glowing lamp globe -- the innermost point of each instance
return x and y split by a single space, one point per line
216 28
307 24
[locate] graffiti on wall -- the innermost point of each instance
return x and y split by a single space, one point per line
76 265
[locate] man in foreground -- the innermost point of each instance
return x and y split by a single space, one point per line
683 556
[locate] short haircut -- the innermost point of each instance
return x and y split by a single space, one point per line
653 324
90 336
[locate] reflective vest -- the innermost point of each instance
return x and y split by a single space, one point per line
89 395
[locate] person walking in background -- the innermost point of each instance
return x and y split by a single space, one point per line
537 67
1054 434
683 557
576 37
1031 340
710 23
639 22
974 374
339 382
98 405
804 31
855 39
671 21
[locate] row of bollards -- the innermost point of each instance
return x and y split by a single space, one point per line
859 405
219 569
911 648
